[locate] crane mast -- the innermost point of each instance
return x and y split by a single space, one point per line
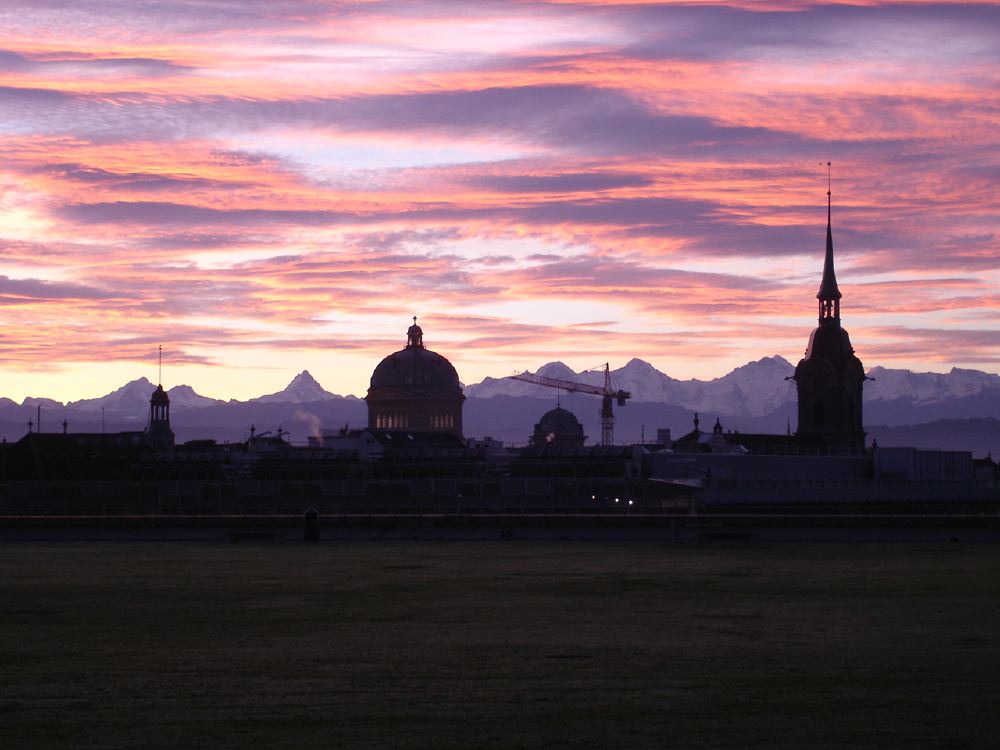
607 394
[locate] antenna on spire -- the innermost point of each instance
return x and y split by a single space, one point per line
160 377
829 185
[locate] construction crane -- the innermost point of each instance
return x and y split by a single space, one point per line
607 393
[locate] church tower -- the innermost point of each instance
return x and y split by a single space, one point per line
830 377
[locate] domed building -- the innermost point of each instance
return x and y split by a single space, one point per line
558 427
415 389
829 378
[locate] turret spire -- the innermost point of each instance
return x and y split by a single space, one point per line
829 294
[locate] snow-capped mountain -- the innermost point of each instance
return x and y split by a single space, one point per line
755 389
752 390
184 397
517 388
303 389
928 387
132 397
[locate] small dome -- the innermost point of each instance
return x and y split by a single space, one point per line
559 420
558 427
159 396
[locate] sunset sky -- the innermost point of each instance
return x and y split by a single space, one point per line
267 186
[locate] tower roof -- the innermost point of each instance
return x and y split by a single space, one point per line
828 289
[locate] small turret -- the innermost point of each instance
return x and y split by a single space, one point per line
159 436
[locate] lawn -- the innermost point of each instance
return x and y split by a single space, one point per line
499 645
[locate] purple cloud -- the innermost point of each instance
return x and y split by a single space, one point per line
25 291
572 182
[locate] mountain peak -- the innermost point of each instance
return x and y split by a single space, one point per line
556 370
131 399
137 384
776 362
303 378
303 388
185 397
636 364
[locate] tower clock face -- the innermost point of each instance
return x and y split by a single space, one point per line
815 373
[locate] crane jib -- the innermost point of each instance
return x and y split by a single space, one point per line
608 396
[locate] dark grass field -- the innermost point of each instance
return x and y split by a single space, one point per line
499 645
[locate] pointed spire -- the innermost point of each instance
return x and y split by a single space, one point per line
829 294
828 288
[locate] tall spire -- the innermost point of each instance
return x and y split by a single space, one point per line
829 294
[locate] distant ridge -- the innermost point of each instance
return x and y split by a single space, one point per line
754 389
753 397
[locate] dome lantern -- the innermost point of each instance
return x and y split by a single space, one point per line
414 335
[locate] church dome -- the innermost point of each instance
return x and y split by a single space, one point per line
415 368
415 389
159 396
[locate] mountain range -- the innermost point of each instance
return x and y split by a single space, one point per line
959 409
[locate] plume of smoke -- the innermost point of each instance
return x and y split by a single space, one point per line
311 420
